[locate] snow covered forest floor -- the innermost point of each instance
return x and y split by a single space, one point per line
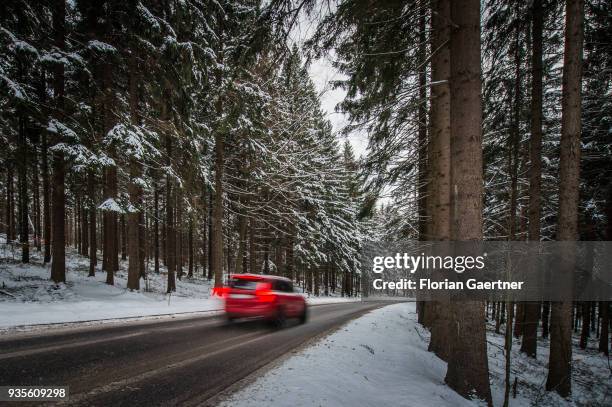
28 297
382 359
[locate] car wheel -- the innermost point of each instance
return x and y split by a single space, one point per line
280 319
304 315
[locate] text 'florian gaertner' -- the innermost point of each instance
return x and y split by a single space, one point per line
458 264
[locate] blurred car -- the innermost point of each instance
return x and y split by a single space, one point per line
268 297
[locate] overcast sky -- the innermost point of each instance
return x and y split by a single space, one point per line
322 72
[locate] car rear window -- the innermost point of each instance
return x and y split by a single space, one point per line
242 284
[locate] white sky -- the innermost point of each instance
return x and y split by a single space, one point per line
322 72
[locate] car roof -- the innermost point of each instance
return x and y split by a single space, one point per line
250 276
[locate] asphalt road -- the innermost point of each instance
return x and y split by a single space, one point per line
186 361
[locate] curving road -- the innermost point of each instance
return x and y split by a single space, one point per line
186 361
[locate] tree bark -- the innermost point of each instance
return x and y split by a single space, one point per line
439 161
46 200
93 246
532 309
58 263
468 371
22 178
560 359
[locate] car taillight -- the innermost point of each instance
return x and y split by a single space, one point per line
264 293
220 291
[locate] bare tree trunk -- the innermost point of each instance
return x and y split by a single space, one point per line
217 215
242 232
124 237
156 226
170 230
46 200
179 233
438 201
190 248
93 247
10 211
468 370
560 360
22 173
210 237
532 309
134 190
58 263
252 247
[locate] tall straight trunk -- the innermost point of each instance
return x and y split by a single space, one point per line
84 231
46 212
58 263
217 215
133 247
10 211
134 191
111 242
438 201
532 309
123 232
242 237
93 239
179 233
604 345
513 166
142 250
560 359
23 191
422 149
190 248
252 247
586 323
170 230
36 193
210 237
468 370
422 134
204 243
156 227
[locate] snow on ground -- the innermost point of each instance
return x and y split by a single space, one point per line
382 359
28 297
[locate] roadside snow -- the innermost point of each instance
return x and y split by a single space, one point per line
28 297
381 359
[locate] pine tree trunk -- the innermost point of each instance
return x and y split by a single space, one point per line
10 212
439 162
58 263
252 247
217 215
604 309
93 246
170 230
124 237
133 247
23 192
46 200
156 228
468 371
560 359
190 249
242 235
532 309
36 191
134 191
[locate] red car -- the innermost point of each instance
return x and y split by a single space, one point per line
271 298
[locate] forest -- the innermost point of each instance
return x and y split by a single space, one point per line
188 138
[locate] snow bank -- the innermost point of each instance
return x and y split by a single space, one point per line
28 297
381 359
